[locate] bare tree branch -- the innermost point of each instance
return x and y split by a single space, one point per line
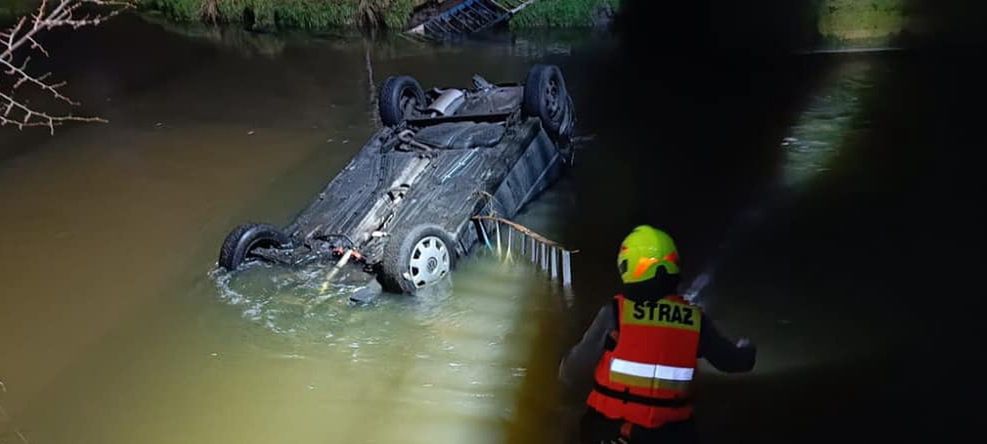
49 15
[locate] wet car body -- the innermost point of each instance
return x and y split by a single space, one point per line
404 206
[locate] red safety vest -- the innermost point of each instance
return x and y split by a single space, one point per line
644 375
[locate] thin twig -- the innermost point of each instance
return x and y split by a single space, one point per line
31 118
49 15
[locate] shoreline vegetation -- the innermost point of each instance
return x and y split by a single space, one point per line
853 23
270 15
837 22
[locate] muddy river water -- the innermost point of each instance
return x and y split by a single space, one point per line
779 176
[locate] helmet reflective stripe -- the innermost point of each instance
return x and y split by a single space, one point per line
649 375
643 264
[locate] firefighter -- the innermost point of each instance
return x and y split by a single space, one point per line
642 349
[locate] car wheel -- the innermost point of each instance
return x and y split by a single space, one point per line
244 238
416 258
398 99
546 97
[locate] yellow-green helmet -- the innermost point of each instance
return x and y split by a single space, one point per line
643 251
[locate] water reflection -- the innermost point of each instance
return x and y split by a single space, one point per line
450 357
822 129
819 134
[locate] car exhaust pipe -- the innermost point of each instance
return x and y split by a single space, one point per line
448 102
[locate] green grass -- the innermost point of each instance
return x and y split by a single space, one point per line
305 14
400 13
560 13
860 19
292 14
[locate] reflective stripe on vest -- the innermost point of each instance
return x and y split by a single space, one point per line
649 376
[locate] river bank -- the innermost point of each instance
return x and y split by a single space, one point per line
377 14
831 23
839 20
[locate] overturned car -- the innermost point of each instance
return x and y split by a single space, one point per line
404 206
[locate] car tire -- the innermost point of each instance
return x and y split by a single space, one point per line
244 238
546 97
416 258
397 97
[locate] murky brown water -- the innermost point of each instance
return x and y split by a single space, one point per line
113 329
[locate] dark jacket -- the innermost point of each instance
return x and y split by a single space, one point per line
578 365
